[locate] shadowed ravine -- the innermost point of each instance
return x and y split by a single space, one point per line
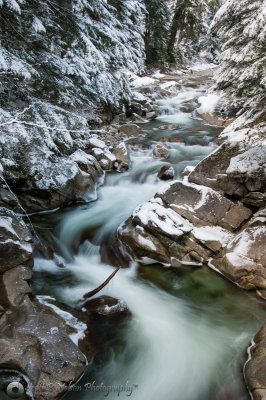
189 329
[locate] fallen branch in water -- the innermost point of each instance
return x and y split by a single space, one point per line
99 288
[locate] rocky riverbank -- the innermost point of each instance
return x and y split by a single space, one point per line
214 215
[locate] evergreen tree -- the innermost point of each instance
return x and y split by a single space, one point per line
157 29
188 22
240 27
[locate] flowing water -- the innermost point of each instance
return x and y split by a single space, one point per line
189 329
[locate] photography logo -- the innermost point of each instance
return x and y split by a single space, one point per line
15 390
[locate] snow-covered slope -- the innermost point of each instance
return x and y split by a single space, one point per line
70 52
62 63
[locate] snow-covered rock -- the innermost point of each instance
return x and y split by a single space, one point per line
237 167
16 242
243 260
255 368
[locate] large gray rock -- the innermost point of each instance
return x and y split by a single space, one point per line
130 129
16 242
35 340
191 224
166 173
203 206
243 260
59 182
237 169
142 245
160 151
122 157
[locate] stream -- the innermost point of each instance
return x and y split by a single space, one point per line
190 328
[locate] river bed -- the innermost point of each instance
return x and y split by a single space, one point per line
190 328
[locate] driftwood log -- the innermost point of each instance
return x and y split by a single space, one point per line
99 288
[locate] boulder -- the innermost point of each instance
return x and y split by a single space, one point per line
167 172
151 115
160 151
243 260
16 242
106 307
104 156
130 129
176 226
203 206
137 118
38 340
142 245
255 368
59 181
237 169
170 127
121 155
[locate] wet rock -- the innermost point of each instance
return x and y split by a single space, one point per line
60 182
35 340
170 127
244 259
8 199
142 245
203 206
178 225
151 115
137 118
160 151
130 129
165 93
122 157
107 307
16 242
104 156
237 169
166 172
187 170
214 118
255 369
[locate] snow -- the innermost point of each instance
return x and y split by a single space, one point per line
37 25
146 242
212 233
139 96
251 161
120 306
158 75
95 142
71 321
142 81
202 66
208 103
162 219
6 223
169 84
